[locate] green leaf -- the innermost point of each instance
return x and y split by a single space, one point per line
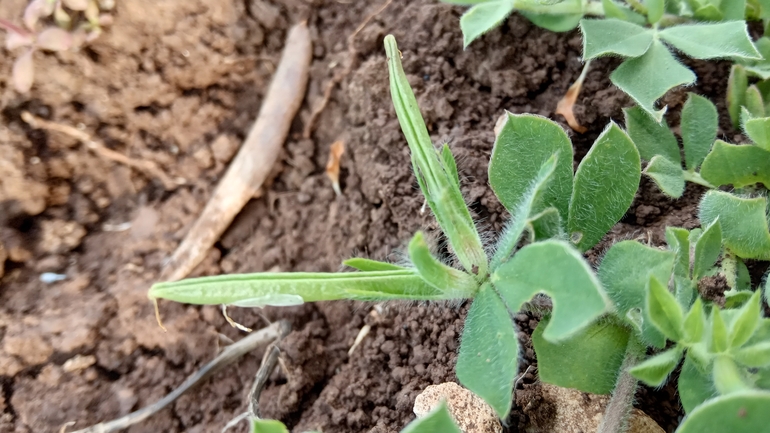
654 371
694 386
612 36
667 175
268 426
450 164
677 239
736 164
718 331
699 129
650 137
524 144
572 363
745 411
754 356
727 376
621 12
555 268
482 18
437 181
438 420
645 79
737 83
733 10
694 322
599 201
759 132
665 312
712 40
488 359
655 9
746 322
546 225
707 249
451 281
511 235
743 220
624 273
554 22
754 104
709 12
368 265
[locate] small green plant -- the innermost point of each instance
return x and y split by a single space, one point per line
75 22
643 33
555 215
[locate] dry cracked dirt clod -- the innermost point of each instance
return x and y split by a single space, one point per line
469 411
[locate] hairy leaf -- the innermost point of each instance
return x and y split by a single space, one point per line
755 356
622 12
667 175
707 249
718 331
743 222
268 426
445 278
754 103
438 420
712 40
678 241
482 18
554 22
546 225
745 411
655 9
699 129
613 36
599 201
488 359
759 132
727 376
664 311
572 363
737 83
555 268
694 385
368 265
736 164
746 322
654 370
650 137
694 322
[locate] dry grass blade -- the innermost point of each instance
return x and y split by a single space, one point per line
566 104
333 166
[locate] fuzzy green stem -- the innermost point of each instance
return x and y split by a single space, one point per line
618 410
694 177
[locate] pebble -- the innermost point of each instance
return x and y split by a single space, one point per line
470 412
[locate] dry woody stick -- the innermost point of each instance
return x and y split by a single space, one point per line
256 157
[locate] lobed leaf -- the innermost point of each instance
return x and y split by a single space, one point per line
712 40
487 362
667 175
598 200
699 129
746 322
651 137
744 411
664 311
555 268
437 420
758 131
707 249
694 386
613 36
645 79
523 145
572 363
737 165
654 370
625 271
737 83
743 221
482 18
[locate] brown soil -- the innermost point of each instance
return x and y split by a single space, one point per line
179 83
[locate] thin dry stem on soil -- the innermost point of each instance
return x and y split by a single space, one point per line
256 157
229 355
147 167
567 103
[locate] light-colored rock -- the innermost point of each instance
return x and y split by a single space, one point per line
469 411
564 410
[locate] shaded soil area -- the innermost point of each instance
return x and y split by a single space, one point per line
179 83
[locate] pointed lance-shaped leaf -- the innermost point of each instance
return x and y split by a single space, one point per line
737 84
694 322
746 322
453 282
679 242
654 370
664 311
699 129
754 356
707 249
368 265
718 343
655 9
667 175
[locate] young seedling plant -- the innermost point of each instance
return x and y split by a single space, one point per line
644 33
555 216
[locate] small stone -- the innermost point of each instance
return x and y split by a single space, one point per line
470 412
59 236
78 362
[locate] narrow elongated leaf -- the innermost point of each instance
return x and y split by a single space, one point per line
694 322
737 165
268 426
759 132
524 144
445 278
438 420
694 385
555 268
654 370
737 83
613 36
728 377
572 363
743 222
699 129
488 359
712 40
645 79
733 10
368 265
746 322
622 12
677 239
755 103
655 9
624 273
482 18
745 411
667 175
599 201
437 181
707 249
665 312
650 137
755 356
718 331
